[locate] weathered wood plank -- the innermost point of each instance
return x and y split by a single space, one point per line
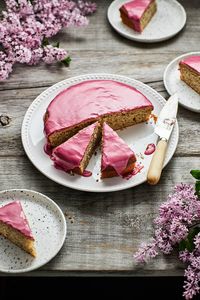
14 103
107 228
147 67
98 48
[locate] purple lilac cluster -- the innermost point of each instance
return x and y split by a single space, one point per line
177 217
27 23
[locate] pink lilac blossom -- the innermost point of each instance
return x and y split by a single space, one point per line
177 216
25 24
192 273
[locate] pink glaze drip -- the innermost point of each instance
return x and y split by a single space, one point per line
89 100
193 62
87 173
48 149
115 152
150 149
134 11
135 171
12 214
69 155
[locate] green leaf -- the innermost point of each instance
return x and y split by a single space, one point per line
197 188
195 174
57 45
45 42
188 243
182 245
66 61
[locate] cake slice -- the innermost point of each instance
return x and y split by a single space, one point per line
137 14
15 227
117 158
190 72
75 153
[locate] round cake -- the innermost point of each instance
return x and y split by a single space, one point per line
82 104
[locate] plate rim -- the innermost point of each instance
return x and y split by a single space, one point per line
83 77
46 198
148 40
167 86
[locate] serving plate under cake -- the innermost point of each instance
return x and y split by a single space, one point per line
137 137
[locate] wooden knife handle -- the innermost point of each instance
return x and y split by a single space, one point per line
156 164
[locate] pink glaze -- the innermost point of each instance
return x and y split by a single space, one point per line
69 155
134 11
135 171
90 100
87 173
115 152
12 214
193 62
150 149
48 149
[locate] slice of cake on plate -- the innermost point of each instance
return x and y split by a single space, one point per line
117 158
74 155
190 72
137 14
15 227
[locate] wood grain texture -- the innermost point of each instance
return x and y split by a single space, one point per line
105 229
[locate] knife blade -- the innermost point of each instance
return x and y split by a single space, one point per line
164 127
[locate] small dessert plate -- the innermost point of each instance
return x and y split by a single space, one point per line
48 226
169 20
173 84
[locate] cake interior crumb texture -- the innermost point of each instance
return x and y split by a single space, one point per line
117 121
190 77
148 14
95 139
18 238
110 171
145 19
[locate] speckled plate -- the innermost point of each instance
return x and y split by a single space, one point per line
137 137
48 225
173 84
169 20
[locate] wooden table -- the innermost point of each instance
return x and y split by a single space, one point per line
104 230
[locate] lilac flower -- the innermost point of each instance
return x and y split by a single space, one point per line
5 66
22 54
36 56
191 284
176 224
146 252
86 8
52 54
25 24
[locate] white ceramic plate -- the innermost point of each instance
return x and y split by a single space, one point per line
48 225
169 19
173 84
137 137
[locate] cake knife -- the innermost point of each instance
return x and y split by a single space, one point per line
164 126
